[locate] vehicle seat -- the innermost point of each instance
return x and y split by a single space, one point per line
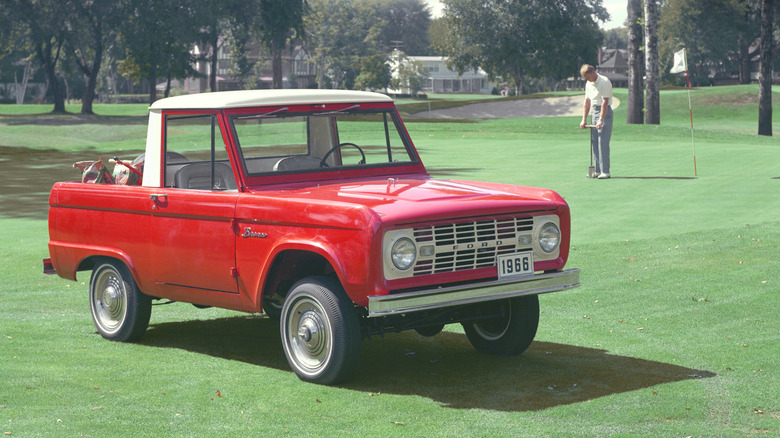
297 162
198 176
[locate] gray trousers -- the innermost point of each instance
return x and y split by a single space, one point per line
599 139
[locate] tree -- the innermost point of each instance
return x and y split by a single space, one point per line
635 62
652 83
213 19
517 42
42 22
616 38
409 76
406 25
93 27
747 28
281 20
158 35
438 35
338 34
374 73
765 78
710 32
238 36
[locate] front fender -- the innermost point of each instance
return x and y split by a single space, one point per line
344 251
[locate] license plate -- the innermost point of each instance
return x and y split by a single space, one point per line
514 265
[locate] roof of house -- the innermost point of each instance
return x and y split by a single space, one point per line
614 58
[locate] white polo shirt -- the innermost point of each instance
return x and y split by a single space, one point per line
599 90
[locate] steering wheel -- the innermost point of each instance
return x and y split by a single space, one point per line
335 148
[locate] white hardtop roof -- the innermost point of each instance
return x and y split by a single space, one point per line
250 98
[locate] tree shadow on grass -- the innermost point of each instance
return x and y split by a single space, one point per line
446 172
654 177
444 368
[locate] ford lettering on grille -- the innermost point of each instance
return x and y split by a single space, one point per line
469 245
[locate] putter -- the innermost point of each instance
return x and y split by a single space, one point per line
591 168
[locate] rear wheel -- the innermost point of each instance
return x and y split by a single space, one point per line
320 331
510 333
119 309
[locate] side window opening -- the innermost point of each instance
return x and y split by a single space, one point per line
195 154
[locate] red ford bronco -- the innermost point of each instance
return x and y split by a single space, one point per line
312 207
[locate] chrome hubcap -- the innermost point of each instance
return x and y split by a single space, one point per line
110 300
309 336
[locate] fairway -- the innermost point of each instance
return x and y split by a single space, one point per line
673 333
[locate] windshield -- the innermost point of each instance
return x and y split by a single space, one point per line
276 141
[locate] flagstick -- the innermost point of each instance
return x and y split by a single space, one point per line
690 111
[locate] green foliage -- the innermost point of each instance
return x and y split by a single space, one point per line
410 75
709 31
406 25
280 20
341 32
616 38
157 35
374 73
42 24
519 41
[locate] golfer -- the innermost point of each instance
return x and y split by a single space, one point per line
598 98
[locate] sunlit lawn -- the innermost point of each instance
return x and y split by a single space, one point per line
674 331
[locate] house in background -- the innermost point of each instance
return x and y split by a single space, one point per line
297 71
613 64
442 80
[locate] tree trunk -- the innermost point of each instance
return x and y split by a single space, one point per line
89 94
765 78
276 53
635 62
48 62
320 74
744 61
518 78
21 89
91 75
168 85
652 94
152 84
214 53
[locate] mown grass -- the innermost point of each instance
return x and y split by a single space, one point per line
674 331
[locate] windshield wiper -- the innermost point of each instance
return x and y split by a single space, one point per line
343 110
264 115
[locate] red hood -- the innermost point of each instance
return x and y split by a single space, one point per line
420 198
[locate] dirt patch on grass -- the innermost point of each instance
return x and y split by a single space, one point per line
28 175
730 100
70 119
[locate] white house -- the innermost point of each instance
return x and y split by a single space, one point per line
442 80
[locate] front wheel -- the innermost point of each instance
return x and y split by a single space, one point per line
320 331
119 309
509 333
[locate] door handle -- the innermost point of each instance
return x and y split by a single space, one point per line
158 198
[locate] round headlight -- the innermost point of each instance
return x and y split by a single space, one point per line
549 237
404 253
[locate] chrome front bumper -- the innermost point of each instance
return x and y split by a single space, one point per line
472 293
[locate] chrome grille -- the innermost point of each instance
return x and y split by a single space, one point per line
469 245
